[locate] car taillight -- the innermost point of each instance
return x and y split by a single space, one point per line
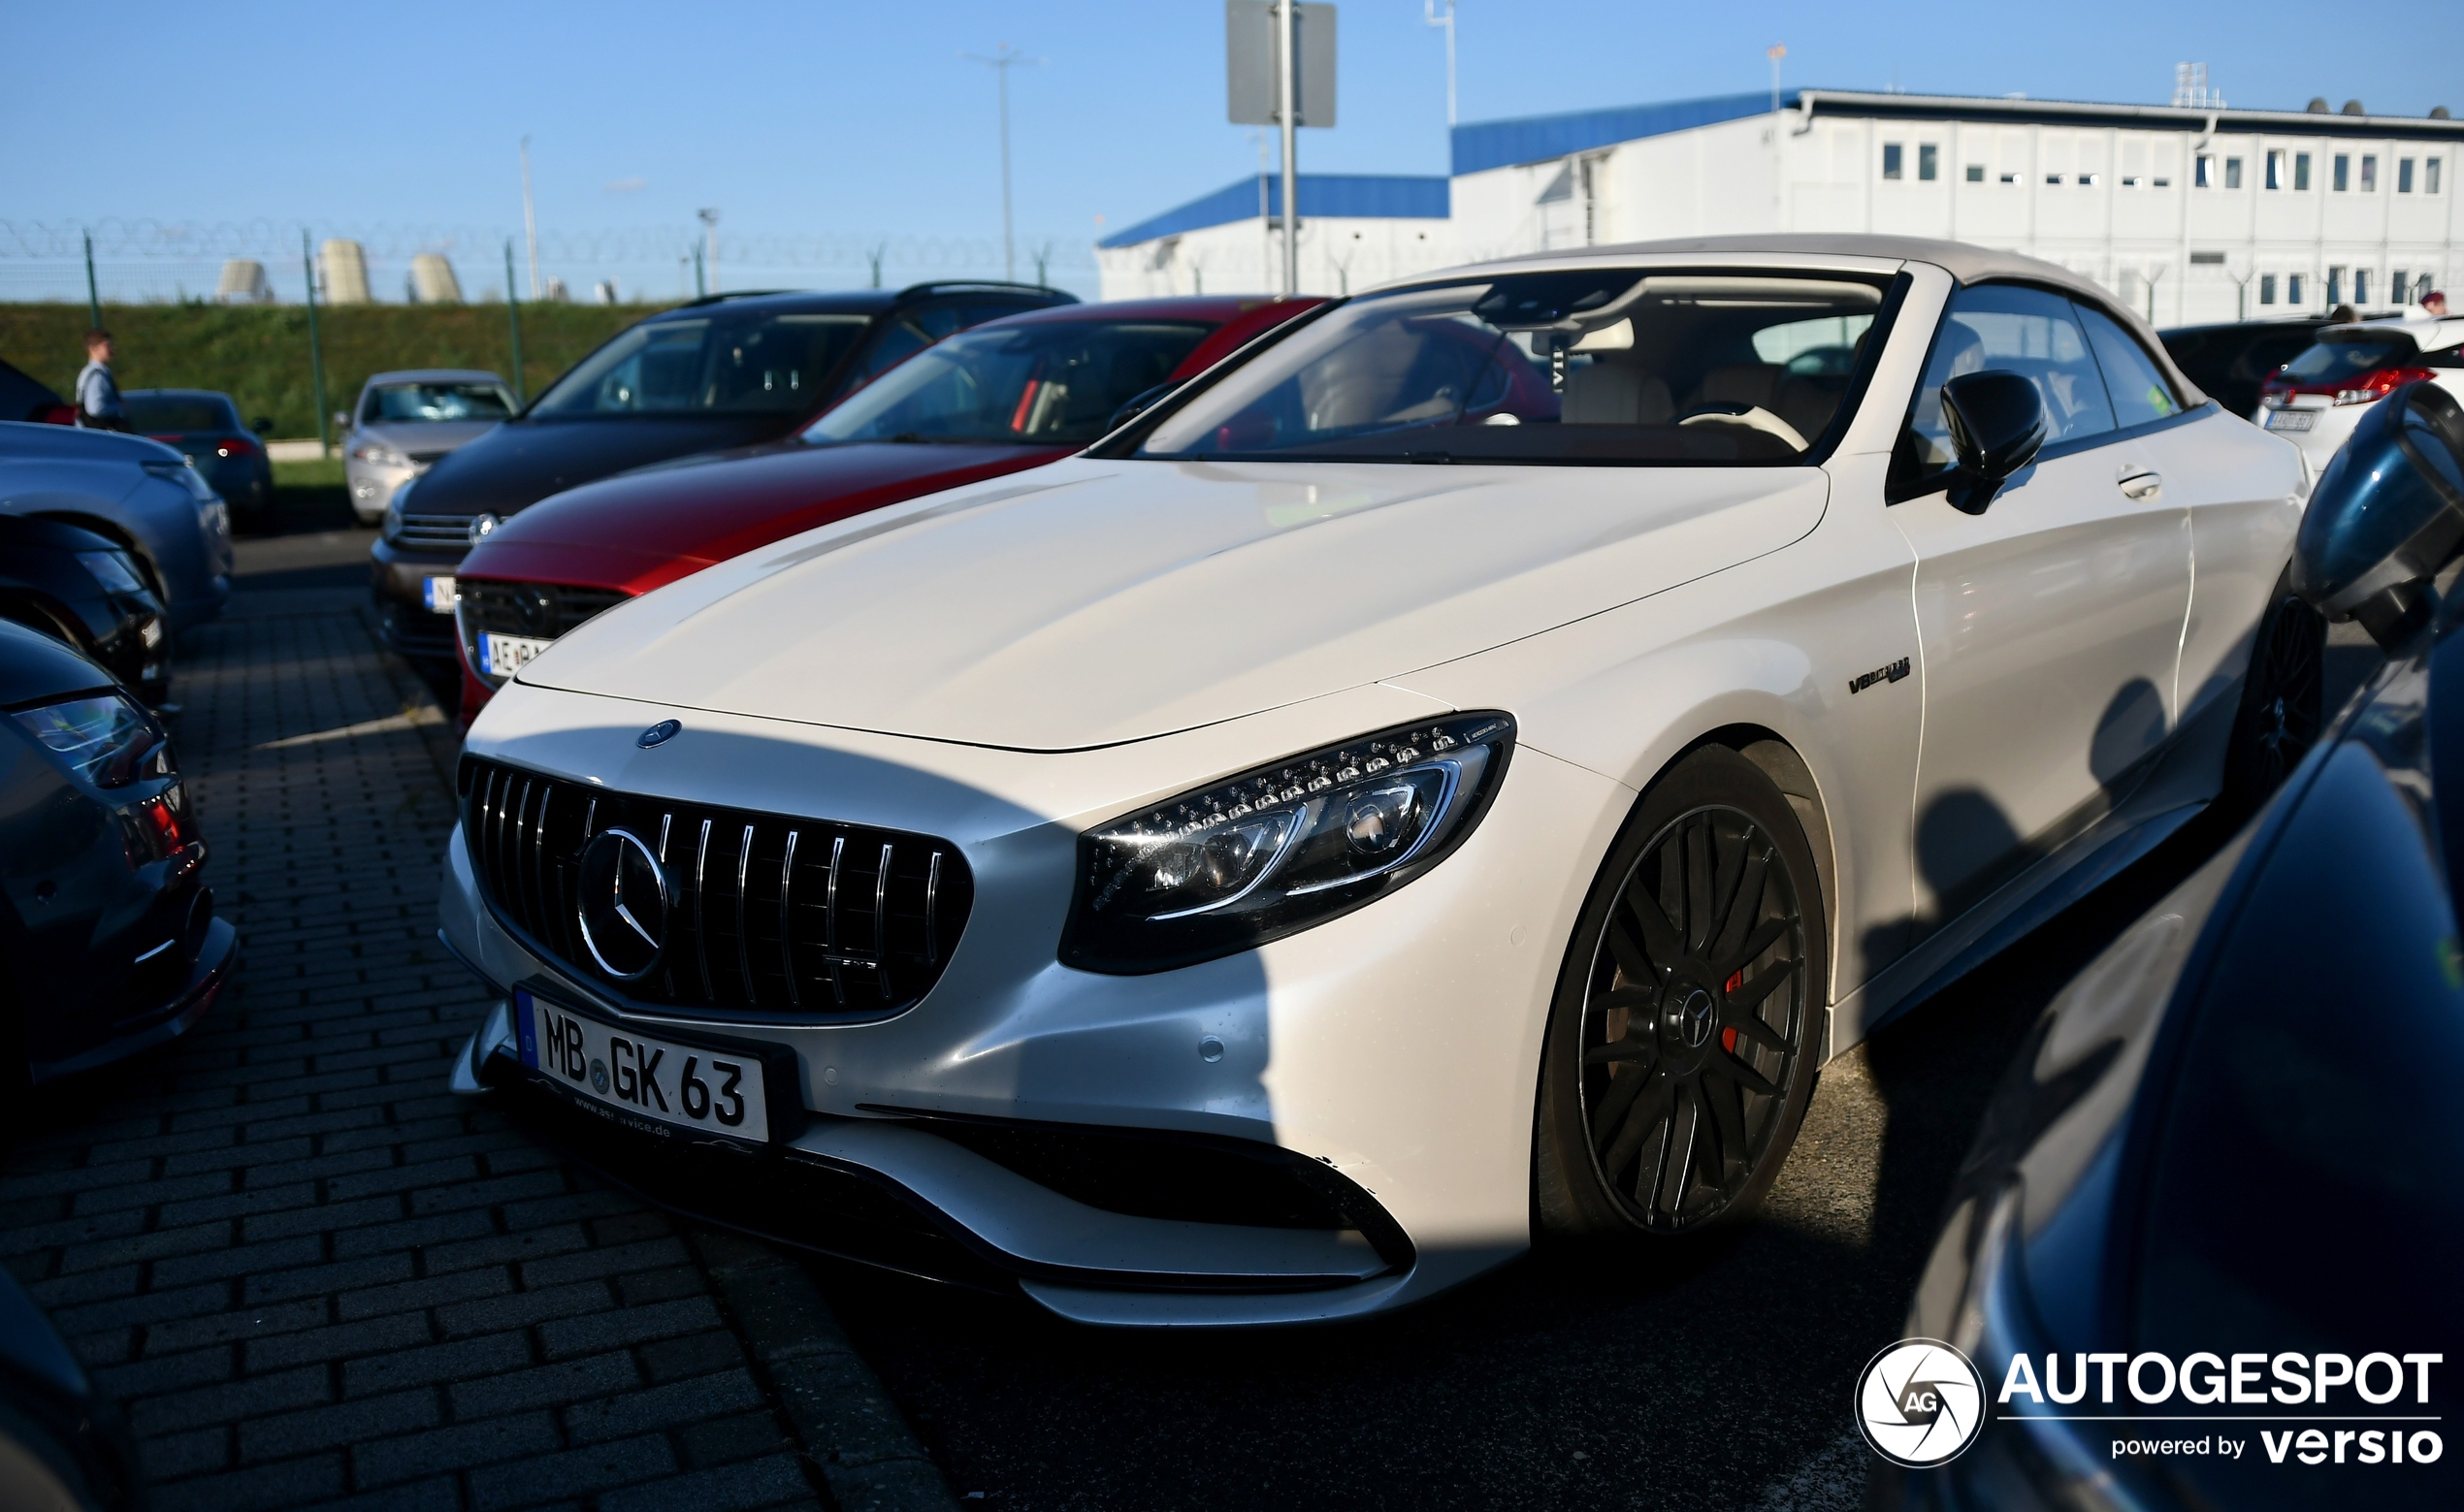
2379 384
172 441
234 446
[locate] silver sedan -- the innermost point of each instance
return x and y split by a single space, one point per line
405 421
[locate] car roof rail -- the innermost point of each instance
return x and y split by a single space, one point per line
733 294
950 286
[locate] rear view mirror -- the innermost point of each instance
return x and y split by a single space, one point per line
1997 425
2386 515
1138 406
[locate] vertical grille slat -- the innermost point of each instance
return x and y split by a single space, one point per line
787 919
849 897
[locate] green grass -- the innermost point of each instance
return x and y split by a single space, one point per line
258 354
326 472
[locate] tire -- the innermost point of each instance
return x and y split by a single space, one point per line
2282 704
1681 1043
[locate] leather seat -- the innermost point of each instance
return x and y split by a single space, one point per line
1753 384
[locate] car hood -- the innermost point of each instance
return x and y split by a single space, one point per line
1093 602
521 462
648 528
428 439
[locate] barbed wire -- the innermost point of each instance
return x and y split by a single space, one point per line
277 243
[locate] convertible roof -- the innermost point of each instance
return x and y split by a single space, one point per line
1963 261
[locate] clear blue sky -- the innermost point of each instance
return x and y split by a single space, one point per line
826 118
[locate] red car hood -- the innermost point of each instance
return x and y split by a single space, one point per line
644 530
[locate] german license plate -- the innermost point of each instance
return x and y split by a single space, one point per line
638 1077
2291 419
440 593
502 656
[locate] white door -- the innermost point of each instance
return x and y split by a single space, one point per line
2050 623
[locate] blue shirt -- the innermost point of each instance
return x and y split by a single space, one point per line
98 395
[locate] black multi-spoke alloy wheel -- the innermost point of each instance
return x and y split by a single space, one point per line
1682 1042
2283 701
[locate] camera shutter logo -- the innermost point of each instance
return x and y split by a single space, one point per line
1920 1403
624 899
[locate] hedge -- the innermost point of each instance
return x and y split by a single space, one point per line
258 354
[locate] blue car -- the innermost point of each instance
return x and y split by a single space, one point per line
206 427
139 493
2206 1253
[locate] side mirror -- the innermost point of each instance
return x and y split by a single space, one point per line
1997 426
1138 406
2386 515
264 425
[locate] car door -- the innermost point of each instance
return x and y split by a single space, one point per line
2050 625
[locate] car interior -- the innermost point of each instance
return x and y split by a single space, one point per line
1052 384
1599 366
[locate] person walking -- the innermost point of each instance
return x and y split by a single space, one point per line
99 406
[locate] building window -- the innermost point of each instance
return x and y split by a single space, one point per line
1976 172
2163 182
2052 178
2301 172
2397 283
2203 173
2430 176
1891 151
2276 170
2089 180
2267 288
2207 259
2010 177
2362 286
2335 285
2403 176
1930 162
2232 173
2369 173
2342 179
2293 288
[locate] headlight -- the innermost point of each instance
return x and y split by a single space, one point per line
376 454
185 473
394 510
112 569
1283 847
104 738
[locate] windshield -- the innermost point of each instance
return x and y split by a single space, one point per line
416 404
1050 384
167 414
2333 359
1597 366
705 364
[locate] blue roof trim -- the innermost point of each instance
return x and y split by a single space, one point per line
1357 196
1536 138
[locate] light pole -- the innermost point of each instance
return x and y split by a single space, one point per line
1775 51
1429 14
709 219
530 221
1003 59
317 349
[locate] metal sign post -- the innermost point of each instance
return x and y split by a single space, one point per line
1279 57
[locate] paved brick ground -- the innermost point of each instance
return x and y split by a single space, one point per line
315 1276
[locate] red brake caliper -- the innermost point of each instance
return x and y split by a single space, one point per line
1728 1037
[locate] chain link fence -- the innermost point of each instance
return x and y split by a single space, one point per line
144 261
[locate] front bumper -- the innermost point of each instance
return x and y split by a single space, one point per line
397 577
372 487
1396 1046
164 1021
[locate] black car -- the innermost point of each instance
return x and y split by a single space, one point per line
109 943
25 397
2206 1252
61 1444
723 372
88 590
206 427
2230 360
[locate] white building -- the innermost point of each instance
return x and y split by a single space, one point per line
2190 214
1356 230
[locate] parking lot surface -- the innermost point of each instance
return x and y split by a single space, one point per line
313 1277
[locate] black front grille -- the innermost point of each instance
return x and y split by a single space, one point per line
435 531
541 610
801 918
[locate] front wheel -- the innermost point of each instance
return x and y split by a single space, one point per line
2283 701
1681 1051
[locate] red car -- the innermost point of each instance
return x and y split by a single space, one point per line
1008 394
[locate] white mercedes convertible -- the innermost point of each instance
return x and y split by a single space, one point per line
1448 775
